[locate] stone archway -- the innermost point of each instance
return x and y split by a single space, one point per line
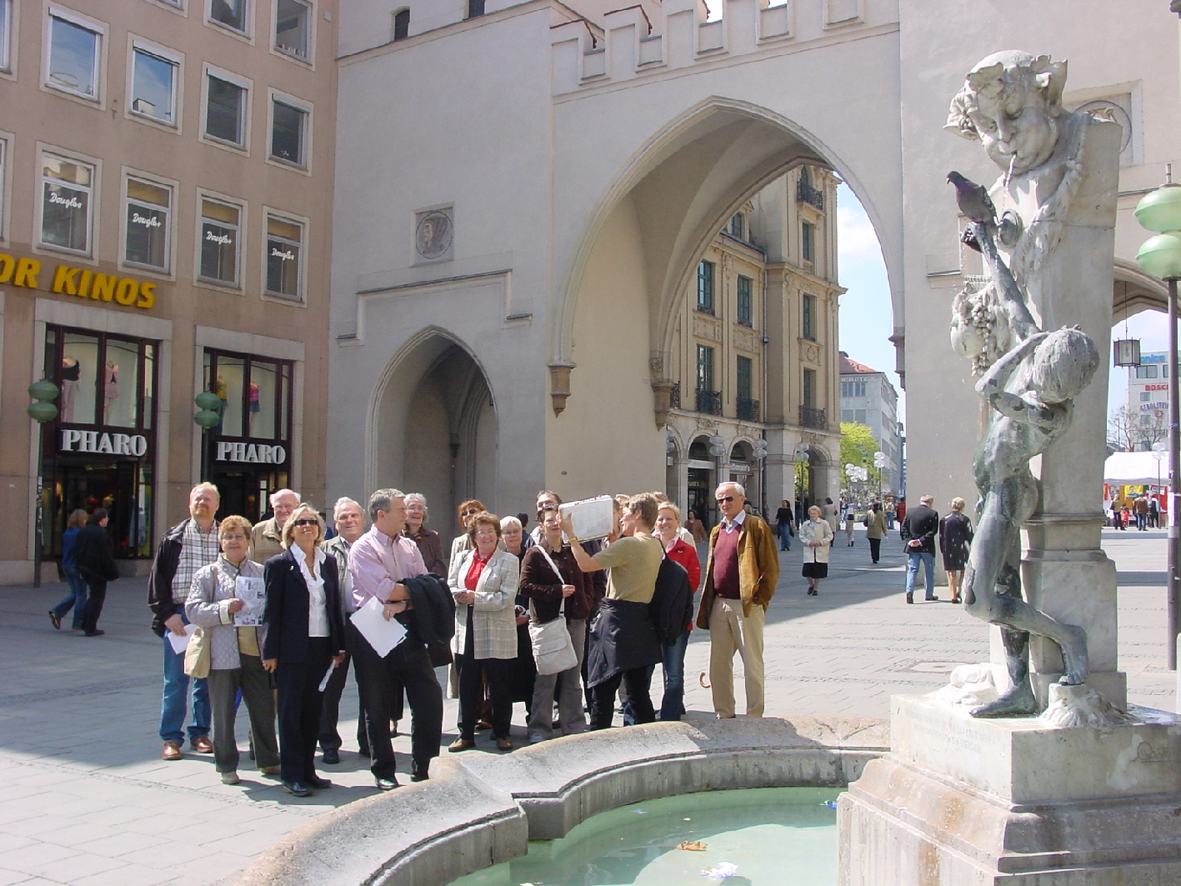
434 427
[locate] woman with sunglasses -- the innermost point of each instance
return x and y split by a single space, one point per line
305 634
463 541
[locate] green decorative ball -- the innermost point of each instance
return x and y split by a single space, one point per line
207 419
43 390
42 411
207 401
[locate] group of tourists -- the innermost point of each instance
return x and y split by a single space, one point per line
262 615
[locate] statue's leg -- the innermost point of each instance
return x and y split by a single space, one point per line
1018 700
1071 639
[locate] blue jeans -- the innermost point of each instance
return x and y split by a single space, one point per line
672 706
175 703
76 597
913 558
785 536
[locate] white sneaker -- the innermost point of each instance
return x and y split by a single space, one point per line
230 778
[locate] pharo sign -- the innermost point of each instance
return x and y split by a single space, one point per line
104 443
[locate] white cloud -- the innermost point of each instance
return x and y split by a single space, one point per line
856 239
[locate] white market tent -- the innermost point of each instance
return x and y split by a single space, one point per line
1134 469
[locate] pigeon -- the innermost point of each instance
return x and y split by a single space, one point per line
973 199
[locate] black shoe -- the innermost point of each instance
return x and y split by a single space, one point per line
910 598
318 783
94 633
419 776
331 756
931 599
297 788
364 752
387 784
56 619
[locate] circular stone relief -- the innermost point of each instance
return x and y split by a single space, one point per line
433 237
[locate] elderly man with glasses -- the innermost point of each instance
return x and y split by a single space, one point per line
740 578
266 539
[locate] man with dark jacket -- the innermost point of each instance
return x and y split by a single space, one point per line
185 548
918 531
96 566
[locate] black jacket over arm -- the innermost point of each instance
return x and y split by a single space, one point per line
287 607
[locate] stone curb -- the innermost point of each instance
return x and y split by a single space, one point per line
478 809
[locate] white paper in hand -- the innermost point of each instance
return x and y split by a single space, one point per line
591 517
382 635
252 592
181 643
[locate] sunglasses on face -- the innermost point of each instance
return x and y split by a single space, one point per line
306 521
725 499
471 511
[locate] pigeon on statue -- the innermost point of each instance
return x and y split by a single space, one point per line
973 199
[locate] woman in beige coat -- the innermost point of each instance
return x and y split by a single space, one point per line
816 535
875 530
484 581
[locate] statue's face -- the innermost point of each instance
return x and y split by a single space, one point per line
1016 127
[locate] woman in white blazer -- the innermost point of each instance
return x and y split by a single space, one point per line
816 535
484 581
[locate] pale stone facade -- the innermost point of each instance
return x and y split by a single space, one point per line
753 350
165 228
868 398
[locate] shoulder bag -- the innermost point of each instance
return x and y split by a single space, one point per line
553 650
197 654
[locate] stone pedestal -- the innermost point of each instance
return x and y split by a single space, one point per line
965 801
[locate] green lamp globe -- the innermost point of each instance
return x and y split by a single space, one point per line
43 390
1161 209
42 411
207 401
207 419
1160 256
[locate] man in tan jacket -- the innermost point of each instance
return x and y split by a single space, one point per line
740 578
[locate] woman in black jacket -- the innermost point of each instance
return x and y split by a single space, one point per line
955 540
305 636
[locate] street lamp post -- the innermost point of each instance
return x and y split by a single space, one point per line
879 462
40 410
1160 256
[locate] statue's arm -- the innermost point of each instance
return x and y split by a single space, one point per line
993 380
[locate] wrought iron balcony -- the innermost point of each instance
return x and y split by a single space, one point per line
709 402
810 195
674 396
748 409
813 418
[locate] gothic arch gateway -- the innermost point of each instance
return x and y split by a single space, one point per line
578 209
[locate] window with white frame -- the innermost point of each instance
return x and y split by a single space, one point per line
221 233
230 13
74 53
149 228
225 111
67 196
5 35
293 22
284 258
153 85
288 132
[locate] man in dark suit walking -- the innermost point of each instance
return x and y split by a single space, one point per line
919 529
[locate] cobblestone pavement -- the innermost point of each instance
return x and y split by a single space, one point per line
87 801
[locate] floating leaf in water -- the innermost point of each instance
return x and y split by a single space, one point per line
692 845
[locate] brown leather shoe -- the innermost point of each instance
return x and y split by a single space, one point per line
201 744
171 751
504 744
460 744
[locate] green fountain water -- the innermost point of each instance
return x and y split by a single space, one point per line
770 836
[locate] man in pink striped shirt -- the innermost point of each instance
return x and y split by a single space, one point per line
378 563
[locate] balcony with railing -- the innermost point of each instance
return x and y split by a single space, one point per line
805 193
709 402
748 409
810 417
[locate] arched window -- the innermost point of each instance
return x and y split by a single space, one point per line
401 24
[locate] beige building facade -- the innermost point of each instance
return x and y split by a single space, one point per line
165 177
753 346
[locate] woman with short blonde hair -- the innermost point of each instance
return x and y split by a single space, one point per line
955 540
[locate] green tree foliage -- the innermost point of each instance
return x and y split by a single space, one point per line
857 445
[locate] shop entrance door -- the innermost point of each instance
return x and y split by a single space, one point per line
245 492
90 486
701 496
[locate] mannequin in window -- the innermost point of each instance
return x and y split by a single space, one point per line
222 388
110 389
253 406
70 374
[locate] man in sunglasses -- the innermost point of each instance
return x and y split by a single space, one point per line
740 578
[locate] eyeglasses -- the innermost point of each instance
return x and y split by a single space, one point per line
471 511
725 499
486 532
307 521
547 506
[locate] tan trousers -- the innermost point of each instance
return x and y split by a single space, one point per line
730 632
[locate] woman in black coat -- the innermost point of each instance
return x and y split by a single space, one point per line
305 636
955 540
